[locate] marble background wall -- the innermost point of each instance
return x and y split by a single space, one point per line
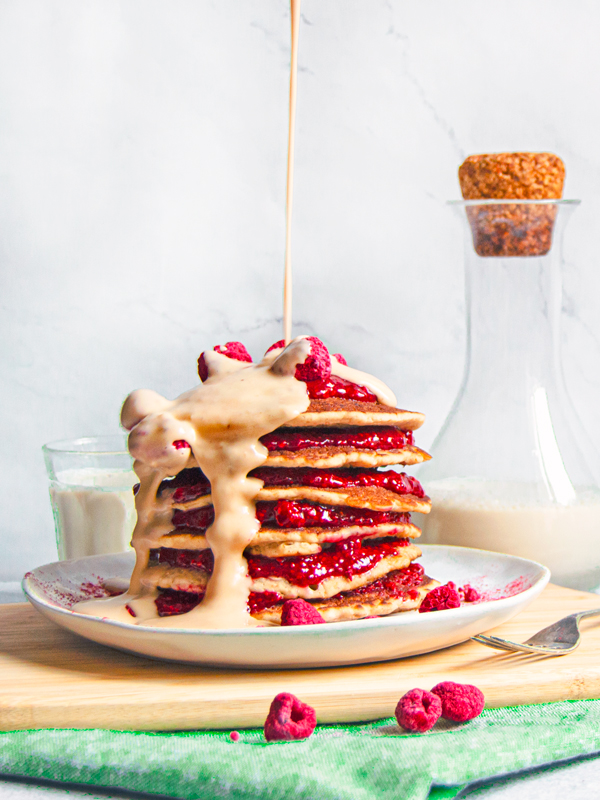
142 189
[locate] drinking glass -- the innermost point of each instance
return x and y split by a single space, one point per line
91 491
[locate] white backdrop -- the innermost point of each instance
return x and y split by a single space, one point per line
142 189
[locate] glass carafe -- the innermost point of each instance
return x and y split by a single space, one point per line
512 470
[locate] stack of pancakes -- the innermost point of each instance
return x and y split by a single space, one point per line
335 530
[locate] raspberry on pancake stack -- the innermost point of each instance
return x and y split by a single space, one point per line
335 530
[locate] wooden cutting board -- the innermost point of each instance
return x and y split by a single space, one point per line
50 678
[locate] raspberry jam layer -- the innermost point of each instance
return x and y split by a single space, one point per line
347 558
398 482
184 559
368 438
339 387
192 483
402 583
170 601
198 519
188 485
295 514
343 559
398 583
303 514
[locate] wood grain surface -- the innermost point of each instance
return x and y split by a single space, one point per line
50 678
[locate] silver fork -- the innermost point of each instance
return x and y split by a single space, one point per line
558 639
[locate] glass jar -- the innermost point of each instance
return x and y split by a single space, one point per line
512 470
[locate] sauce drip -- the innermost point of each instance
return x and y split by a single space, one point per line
221 421
287 283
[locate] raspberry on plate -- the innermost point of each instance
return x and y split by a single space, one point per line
300 612
440 598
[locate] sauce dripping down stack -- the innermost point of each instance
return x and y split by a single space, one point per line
262 485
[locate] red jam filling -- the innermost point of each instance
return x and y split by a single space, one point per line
368 438
199 519
303 514
347 558
170 601
398 482
192 483
398 583
339 387
295 514
184 559
188 485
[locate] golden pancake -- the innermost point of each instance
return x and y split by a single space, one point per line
317 534
375 498
354 605
329 457
189 539
337 412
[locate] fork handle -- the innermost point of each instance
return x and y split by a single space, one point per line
593 612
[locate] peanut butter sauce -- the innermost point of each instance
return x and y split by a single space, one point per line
222 421
287 282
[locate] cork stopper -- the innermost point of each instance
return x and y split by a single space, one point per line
512 229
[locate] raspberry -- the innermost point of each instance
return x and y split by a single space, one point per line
440 598
316 365
234 350
289 718
340 359
300 612
468 594
202 368
460 701
180 444
277 346
234 736
418 710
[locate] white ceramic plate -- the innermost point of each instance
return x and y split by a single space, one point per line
507 583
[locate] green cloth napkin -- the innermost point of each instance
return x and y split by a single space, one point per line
358 762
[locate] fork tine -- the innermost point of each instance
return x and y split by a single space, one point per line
515 647
492 641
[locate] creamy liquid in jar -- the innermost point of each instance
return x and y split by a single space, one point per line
472 513
94 511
